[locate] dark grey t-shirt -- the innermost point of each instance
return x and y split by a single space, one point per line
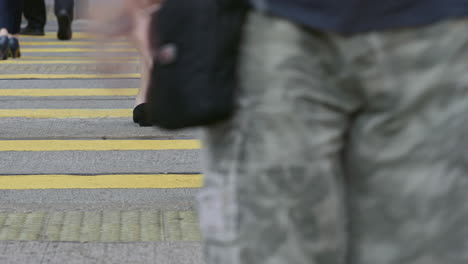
352 16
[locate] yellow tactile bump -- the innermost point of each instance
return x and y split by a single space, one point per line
91 68
100 226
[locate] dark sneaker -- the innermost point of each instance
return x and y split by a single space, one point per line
4 48
64 23
32 31
15 52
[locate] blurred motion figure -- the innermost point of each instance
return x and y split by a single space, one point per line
350 142
131 19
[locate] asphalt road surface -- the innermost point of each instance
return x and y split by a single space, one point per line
79 181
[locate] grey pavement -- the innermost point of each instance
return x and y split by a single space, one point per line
97 253
67 102
95 128
100 162
51 225
83 200
74 83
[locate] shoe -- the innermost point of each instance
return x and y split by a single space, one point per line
140 115
4 47
32 31
14 47
64 23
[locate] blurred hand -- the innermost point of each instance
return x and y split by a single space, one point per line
117 18
113 19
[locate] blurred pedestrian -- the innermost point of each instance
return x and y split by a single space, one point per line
35 13
10 21
349 141
131 19
349 144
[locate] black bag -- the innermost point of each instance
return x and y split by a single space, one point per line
196 44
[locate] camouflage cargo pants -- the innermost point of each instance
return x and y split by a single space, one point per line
345 150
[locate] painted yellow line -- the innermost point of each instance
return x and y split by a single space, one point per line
56 50
75 34
69 76
66 113
32 62
53 35
123 181
70 92
76 58
72 43
97 145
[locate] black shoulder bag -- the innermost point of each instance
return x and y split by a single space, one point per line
194 77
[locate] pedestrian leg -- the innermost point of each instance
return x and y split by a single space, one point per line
273 188
35 13
64 11
406 161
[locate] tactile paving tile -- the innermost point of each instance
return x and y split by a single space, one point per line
69 68
99 226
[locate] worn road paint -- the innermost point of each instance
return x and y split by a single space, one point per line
68 76
97 145
100 226
66 113
34 62
104 58
70 92
72 43
58 50
117 181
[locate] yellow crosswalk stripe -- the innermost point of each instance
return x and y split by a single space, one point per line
97 145
120 181
57 50
69 76
33 62
74 58
70 92
64 181
71 43
66 113
76 35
